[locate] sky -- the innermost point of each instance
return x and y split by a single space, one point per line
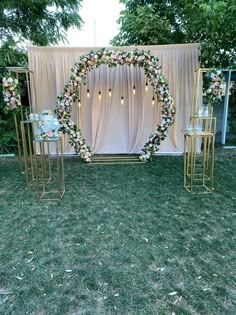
100 25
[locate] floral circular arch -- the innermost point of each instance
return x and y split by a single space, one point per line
112 58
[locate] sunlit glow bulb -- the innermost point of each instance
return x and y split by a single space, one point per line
79 103
134 91
100 95
153 101
122 100
146 87
88 94
109 93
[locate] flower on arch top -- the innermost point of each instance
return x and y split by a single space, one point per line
11 94
213 86
113 58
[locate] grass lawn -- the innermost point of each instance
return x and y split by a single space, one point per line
125 239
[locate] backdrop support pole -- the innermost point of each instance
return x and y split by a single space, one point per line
226 107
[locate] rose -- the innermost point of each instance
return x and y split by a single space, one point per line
49 134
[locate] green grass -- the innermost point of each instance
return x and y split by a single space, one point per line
125 239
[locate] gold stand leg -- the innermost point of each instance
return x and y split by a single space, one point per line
18 143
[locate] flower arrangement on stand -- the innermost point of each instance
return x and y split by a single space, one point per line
47 126
213 87
11 93
113 58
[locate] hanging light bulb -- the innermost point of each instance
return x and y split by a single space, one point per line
88 94
134 91
109 93
100 95
79 103
153 100
122 100
146 86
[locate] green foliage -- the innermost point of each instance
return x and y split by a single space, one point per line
8 140
12 55
212 23
149 23
40 22
29 22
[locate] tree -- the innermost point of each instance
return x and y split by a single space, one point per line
41 22
37 22
145 22
212 23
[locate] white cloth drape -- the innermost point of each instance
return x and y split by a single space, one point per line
107 126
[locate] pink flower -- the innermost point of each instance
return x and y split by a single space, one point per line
49 134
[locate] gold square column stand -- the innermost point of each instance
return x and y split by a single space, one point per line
199 167
49 169
27 132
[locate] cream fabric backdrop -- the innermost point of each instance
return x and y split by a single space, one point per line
107 126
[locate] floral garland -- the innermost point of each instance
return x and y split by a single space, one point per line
112 59
11 93
213 86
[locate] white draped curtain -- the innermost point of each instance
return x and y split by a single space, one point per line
108 126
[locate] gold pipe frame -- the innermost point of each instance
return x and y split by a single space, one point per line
199 145
27 132
18 144
196 87
19 136
198 177
48 168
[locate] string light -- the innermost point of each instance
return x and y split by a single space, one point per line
122 93
134 90
146 86
88 93
109 93
153 100
79 103
99 95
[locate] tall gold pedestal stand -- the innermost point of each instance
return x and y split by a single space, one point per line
27 73
49 170
28 129
19 155
199 144
199 167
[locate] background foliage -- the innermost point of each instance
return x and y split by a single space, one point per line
26 22
212 23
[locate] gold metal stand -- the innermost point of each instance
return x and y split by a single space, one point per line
49 170
19 71
199 167
28 134
199 145
18 142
